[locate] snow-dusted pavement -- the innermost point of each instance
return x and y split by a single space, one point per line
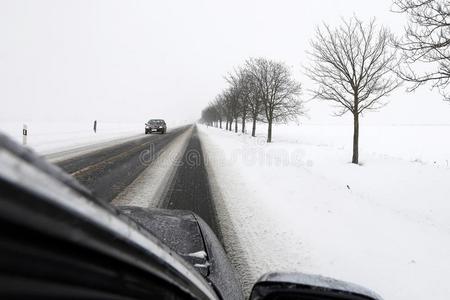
298 205
108 171
148 189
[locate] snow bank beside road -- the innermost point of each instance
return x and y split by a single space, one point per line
50 137
297 205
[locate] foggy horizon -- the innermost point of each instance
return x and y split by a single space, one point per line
130 61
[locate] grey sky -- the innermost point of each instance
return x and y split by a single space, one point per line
130 60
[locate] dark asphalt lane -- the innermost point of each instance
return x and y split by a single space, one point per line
190 188
110 170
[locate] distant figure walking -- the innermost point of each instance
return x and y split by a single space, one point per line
95 126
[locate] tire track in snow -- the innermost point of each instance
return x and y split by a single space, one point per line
151 185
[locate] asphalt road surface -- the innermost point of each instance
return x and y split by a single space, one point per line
190 189
108 171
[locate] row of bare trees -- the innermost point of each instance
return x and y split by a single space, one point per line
260 90
354 65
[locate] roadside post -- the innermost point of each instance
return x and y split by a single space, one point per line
24 134
95 126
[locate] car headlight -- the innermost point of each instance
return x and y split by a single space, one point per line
160 126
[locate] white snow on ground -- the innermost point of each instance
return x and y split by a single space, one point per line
418 143
147 189
51 137
299 205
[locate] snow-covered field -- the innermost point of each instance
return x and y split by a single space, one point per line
299 205
55 137
50 137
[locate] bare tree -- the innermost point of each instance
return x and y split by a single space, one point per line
227 108
426 41
245 95
223 107
219 106
231 105
254 102
215 113
353 68
279 92
210 116
236 94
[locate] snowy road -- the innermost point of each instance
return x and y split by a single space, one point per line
190 189
109 170
164 171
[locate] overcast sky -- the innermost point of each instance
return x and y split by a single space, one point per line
132 60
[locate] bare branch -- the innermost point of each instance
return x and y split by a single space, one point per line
426 41
353 65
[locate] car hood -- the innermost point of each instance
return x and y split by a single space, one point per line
191 238
176 229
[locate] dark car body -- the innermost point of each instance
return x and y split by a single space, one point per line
155 125
191 238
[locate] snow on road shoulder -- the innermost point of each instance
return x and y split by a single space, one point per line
53 137
302 207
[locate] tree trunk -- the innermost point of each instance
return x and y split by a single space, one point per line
226 125
220 122
355 138
230 127
254 127
235 125
244 117
269 131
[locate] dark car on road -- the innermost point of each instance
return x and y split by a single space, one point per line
155 125
58 241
